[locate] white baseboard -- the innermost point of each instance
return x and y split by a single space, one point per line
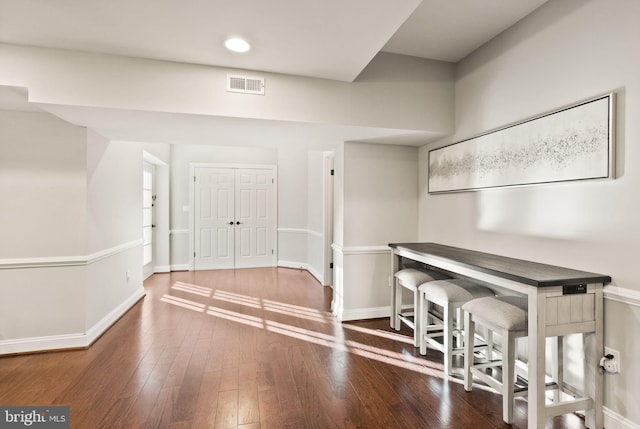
301 266
70 341
365 313
162 269
315 274
613 420
180 267
296 265
38 344
336 310
103 324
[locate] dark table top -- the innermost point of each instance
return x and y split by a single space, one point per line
527 272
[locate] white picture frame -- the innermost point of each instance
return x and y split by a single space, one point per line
573 143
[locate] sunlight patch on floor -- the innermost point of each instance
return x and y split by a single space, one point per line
234 298
191 288
184 303
399 359
380 333
275 308
234 316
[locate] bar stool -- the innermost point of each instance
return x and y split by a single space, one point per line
508 317
409 278
450 295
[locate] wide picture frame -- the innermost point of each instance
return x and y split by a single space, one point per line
573 143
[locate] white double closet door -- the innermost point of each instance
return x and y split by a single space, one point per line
234 218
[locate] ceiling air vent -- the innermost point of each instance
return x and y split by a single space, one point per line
245 84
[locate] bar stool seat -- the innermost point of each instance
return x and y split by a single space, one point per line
450 295
507 316
411 279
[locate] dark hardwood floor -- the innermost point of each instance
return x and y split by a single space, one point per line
255 348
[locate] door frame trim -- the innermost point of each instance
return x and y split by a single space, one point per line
328 165
148 269
234 166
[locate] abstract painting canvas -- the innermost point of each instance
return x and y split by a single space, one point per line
572 143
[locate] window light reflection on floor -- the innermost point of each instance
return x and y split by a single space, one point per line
184 303
288 312
191 288
234 316
380 333
403 360
237 299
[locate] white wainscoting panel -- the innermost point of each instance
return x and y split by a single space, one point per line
362 286
78 294
613 420
179 239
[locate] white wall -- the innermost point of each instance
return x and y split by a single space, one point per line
315 214
564 52
80 79
43 229
42 221
114 217
114 188
378 206
71 220
381 185
40 306
292 207
405 91
42 185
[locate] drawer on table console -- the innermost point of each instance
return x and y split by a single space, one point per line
571 306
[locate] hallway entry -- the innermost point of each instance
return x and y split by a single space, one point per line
234 217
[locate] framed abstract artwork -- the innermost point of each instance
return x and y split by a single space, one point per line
572 143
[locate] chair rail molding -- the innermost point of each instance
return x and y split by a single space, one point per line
67 261
623 295
362 250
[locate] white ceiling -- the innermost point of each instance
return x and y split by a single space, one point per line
449 30
332 39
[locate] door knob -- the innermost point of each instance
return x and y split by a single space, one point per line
238 223
231 223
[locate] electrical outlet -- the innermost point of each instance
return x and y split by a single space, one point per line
612 365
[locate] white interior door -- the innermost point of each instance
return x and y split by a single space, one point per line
148 197
234 218
254 218
214 218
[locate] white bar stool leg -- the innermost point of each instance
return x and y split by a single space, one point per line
416 318
398 306
421 328
448 339
469 334
508 377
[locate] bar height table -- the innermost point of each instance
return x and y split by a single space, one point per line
561 301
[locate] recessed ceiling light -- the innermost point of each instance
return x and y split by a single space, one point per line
236 44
